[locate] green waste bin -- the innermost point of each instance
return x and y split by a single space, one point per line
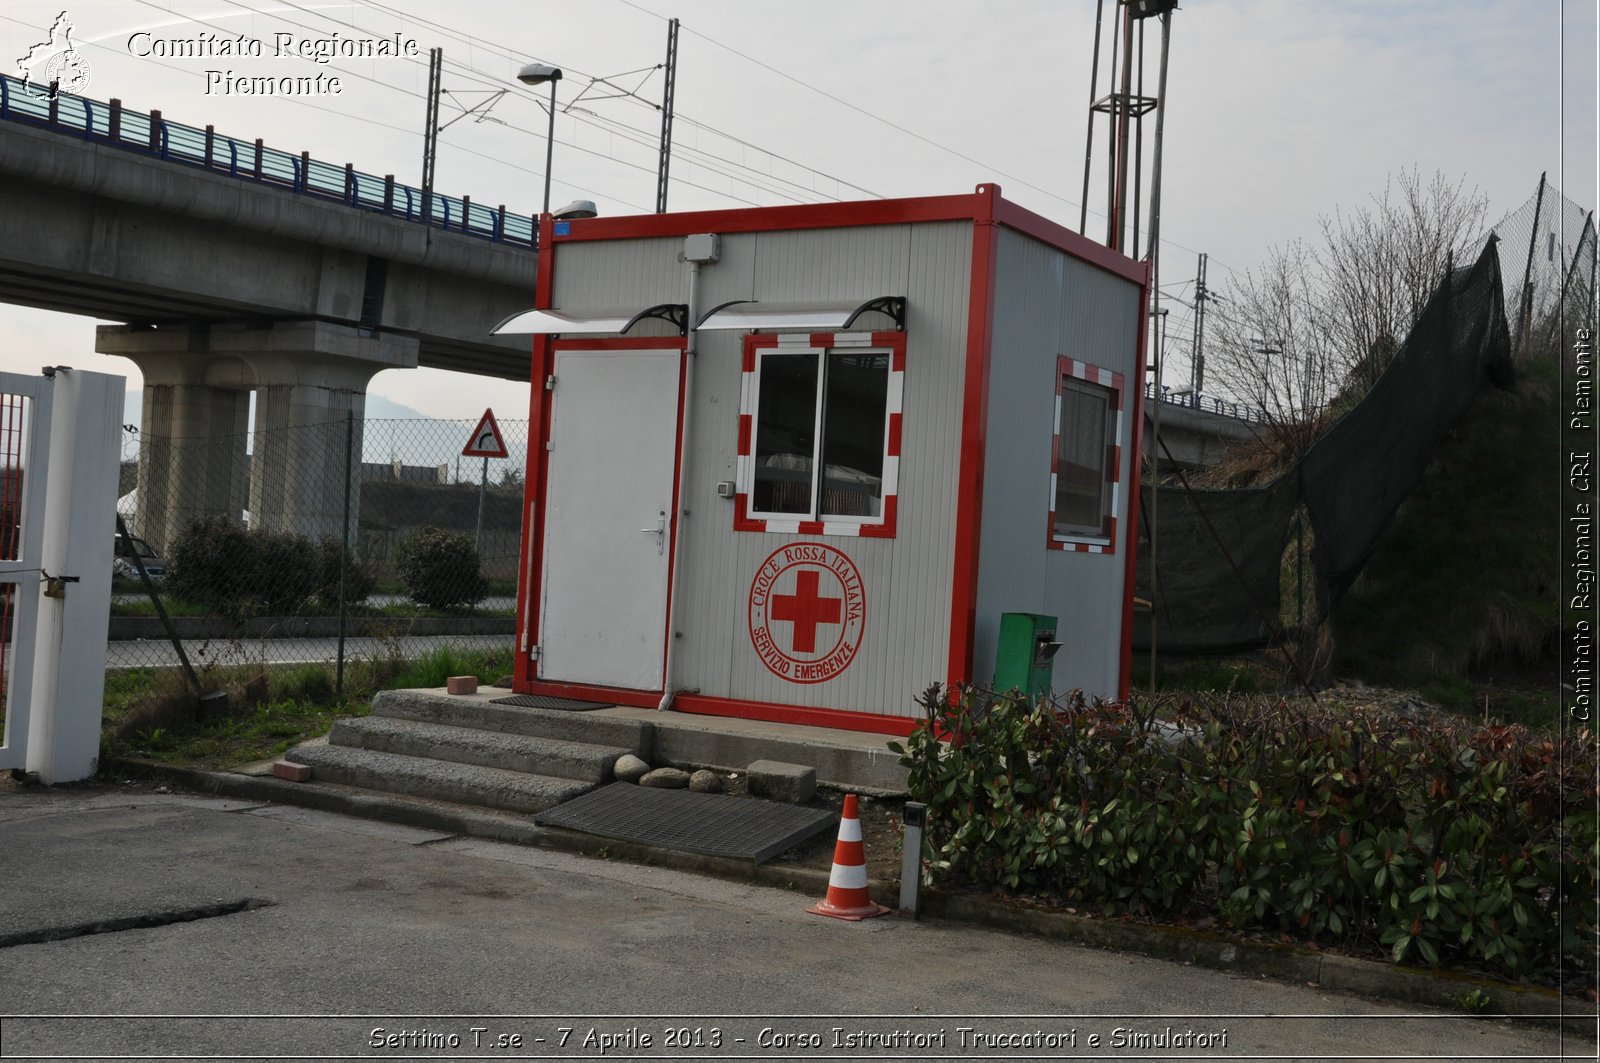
1023 658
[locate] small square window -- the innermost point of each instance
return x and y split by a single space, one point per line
819 436
1086 459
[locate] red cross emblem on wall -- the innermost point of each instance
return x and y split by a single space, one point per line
806 609
807 612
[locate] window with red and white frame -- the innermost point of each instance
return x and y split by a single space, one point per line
1086 458
819 433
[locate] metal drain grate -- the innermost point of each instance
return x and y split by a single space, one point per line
743 828
539 701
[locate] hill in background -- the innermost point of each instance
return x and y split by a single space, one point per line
1460 600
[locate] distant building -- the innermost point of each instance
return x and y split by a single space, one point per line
392 472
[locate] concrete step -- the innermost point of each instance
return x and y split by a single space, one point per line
634 736
440 780
582 761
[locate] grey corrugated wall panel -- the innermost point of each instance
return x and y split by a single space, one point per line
1049 304
907 579
711 573
832 264
937 315
618 274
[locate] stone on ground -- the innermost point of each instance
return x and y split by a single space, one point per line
629 768
666 779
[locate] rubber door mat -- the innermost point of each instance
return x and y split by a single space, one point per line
743 828
539 701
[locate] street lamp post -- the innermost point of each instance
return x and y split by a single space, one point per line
538 74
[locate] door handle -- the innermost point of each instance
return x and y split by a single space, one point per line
660 532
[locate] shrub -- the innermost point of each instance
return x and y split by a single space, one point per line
237 573
1438 841
211 563
285 575
359 581
440 570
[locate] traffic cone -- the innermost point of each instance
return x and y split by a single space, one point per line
847 884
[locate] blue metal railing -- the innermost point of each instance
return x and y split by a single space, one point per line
249 160
1204 404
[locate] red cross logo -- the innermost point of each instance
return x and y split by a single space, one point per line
806 609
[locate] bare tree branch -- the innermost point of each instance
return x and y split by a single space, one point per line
1314 328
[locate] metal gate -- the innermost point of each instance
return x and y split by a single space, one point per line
58 496
24 462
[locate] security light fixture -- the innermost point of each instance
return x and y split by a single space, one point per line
538 74
578 208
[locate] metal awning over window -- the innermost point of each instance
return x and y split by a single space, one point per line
602 323
748 314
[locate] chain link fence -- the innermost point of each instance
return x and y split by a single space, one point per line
316 543
1548 270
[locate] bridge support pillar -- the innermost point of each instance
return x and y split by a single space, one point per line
194 430
307 378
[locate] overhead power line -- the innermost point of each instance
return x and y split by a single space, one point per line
889 122
492 82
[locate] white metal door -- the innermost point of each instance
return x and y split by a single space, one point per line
608 517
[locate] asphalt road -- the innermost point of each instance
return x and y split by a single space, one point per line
353 939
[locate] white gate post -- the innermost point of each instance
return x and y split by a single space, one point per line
69 664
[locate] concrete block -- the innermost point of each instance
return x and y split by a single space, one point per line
284 769
461 684
795 783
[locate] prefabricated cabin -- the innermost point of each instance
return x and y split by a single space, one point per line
795 463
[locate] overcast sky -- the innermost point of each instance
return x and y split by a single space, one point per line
1278 112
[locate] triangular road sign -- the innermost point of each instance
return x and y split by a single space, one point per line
485 441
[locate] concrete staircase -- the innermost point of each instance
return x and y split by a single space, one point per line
473 752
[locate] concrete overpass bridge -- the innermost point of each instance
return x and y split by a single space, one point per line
238 269
1196 430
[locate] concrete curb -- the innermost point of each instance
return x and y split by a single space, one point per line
1346 974
1285 963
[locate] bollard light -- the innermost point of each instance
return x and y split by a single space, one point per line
916 818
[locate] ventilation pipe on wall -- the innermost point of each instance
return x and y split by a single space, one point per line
698 250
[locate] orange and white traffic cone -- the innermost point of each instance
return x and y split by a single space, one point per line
847 884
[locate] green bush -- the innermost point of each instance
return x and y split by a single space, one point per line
440 570
235 572
359 582
285 575
1438 842
207 563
